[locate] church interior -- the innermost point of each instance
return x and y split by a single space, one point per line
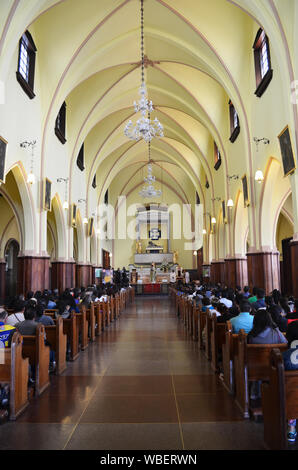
156 141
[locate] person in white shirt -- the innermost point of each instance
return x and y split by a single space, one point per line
228 303
173 276
18 315
187 277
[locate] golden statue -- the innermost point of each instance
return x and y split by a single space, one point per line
139 247
175 257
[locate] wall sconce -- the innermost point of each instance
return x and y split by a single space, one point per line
233 177
32 144
204 231
263 139
259 177
216 199
195 253
213 220
230 203
65 203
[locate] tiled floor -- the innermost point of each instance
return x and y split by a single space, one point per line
142 385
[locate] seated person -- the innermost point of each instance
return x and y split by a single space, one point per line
6 331
225 313
18 314
46 320
277 318
243 321
290 358
264 330
29 325
206 304
293 316
260 302
253 297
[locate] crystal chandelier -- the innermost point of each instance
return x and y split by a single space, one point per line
149 189
144 128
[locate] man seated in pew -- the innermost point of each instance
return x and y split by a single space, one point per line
29 325
18 314
243 321
6 330
290 358
225 314
206 304
46 320
277 318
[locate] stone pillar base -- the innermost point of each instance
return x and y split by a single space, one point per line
84 275
63 275
264 270
33 273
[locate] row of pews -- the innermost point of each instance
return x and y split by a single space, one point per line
67 338
240 364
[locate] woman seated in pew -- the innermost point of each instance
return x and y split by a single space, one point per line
264 330
225 314
46 320
277 318
290 358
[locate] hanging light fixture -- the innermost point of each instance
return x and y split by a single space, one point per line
259 177
144 128
149 190
32 144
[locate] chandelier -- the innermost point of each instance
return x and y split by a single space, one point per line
144 127
149 189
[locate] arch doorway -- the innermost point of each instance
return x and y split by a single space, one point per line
11 272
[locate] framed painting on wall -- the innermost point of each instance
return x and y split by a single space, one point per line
90 227
47 190
245 191
73 216
287 154
3 145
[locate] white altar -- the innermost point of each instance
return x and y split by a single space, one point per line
148 258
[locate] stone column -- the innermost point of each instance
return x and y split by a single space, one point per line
2 281
63 275
264 270
217 271
294 263
33 273
83 274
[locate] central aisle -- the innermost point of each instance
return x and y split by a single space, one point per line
142 385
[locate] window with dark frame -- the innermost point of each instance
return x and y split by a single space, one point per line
217 157
234 123
197 198
263 69
26 64
60 124
106 198
94 182
80 158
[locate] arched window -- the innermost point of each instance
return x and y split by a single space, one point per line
217 157
234 122
80 159
263 69
60 124
26 64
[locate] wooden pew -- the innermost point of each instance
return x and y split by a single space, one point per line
280 402
229 348
39 357
98 311
14 371
217 338
251 364
90 316
82 327
201 326
71 330
195 317
52 312
208 331
58 343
